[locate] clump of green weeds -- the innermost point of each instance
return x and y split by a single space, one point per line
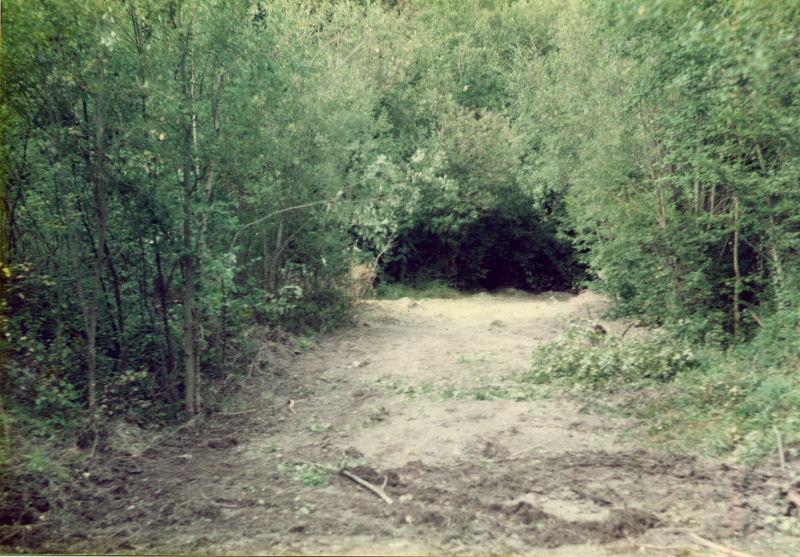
310 473
740 398
589 357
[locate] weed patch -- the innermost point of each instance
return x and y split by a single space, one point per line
687 396
311 474
515 392
591 358
431 289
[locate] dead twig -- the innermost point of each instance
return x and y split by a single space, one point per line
756 318
628 328
781 457
186 425
379 491
218 503
257 360
717 547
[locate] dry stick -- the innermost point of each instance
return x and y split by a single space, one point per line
185 425
780 448
379 491
717 547
625 332
756 318
217 503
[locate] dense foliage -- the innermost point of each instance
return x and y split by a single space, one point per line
669 130
179 172
591 358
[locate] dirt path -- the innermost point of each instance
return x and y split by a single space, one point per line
420 395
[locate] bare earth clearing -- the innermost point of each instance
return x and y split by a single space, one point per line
420 395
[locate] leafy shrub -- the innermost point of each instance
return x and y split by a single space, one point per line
51 399
56 398
300 311
130 395
590 358
721 399
735 403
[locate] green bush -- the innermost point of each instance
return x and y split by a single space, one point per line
717 399
299 311
589 358
734 404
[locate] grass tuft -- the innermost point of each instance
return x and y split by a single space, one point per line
431 289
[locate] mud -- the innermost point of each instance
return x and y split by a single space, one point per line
419 396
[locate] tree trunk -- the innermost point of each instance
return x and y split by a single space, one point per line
778 276
5 227
122 355
169 357
192 258
101 216
187 263
88 307
188 259
275 262
737 283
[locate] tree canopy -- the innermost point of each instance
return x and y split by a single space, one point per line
177 173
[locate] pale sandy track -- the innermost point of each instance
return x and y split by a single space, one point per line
399 396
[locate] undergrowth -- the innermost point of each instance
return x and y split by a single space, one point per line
441 393
589 357
47 432
430 289
688 396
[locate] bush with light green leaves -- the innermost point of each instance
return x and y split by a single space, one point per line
591 358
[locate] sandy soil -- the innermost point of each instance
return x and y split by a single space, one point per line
421 396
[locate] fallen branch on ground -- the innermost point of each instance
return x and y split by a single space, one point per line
628 328
186 425
781 456
717 547
379 491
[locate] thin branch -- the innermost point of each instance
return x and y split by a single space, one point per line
628 328
259 220
379 491
272 214
389 245
756 318
781 456
717 547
